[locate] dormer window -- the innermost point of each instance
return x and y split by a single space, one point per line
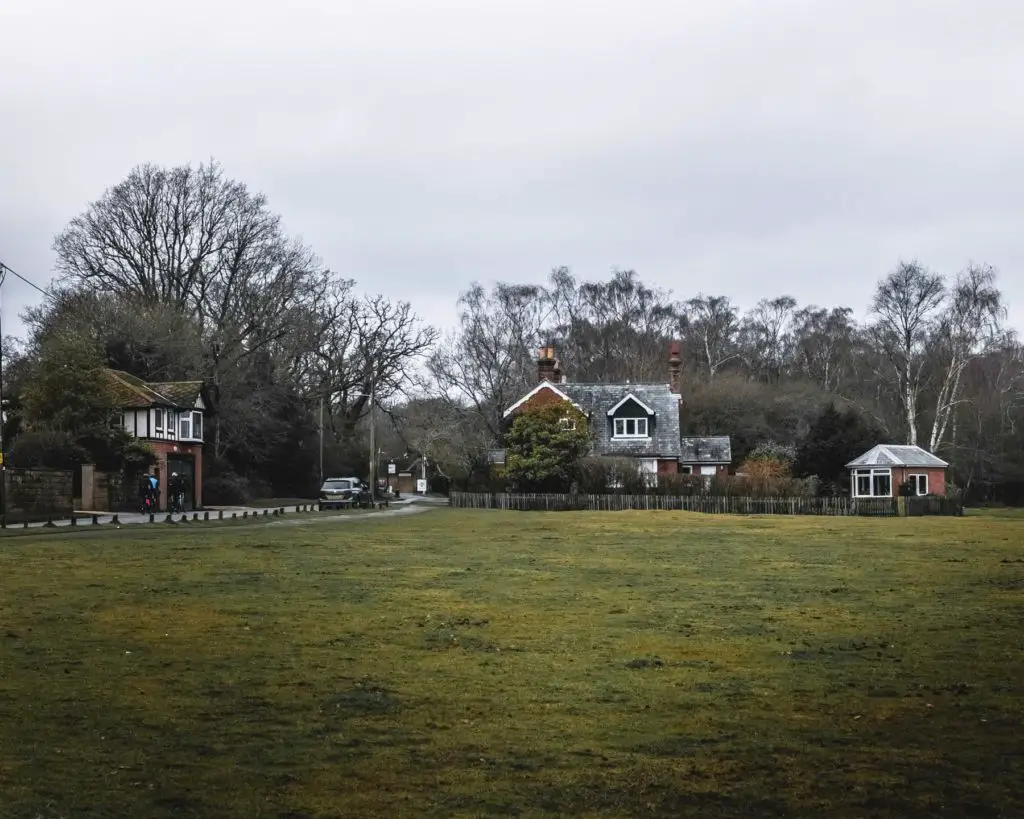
631 428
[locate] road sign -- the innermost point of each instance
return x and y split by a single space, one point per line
391 469
421 486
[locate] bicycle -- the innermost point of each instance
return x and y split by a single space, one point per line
178 503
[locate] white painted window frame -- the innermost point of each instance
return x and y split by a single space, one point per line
636 426
871 473
917 478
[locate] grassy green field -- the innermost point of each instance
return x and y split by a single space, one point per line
488 664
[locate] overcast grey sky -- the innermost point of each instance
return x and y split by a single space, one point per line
742 147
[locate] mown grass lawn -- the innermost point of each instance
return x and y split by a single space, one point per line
489 664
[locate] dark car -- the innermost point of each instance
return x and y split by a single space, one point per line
340 492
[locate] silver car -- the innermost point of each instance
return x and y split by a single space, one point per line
339 492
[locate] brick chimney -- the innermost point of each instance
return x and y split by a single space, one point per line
675 367
547 365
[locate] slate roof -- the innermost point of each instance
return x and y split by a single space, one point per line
596 399
898 455
134 392
715 449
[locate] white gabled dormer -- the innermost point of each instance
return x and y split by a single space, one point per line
631 418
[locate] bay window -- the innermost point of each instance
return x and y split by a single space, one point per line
872 483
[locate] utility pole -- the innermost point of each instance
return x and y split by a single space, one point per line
373 442
321 438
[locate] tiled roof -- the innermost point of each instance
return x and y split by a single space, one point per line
596 399
716 449
134 392
898 455
182 393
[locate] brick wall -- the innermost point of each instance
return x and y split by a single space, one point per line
38 494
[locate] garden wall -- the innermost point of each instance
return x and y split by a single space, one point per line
710 504
38 494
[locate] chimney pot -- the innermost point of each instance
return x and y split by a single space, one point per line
675 367
547 366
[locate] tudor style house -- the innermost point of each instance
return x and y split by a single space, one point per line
170 417
635 421
879 472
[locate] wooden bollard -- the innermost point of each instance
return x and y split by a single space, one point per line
234 515
195 516
220 514
168 519
184 518
266 512
245 515
152 517
95 520
275 513
74 521
115 520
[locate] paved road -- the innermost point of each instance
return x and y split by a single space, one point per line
400 507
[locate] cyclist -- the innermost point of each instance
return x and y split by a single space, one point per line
177 486
150 491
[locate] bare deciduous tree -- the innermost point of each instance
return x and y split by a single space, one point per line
491 359
968 327
906 304
767 337
711 332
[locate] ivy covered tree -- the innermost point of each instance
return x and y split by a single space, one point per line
544 447
70 412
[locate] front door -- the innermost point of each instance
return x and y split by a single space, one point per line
183 465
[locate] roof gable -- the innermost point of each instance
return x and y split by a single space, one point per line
630 397
543 385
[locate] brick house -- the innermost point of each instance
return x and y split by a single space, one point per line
708 456
879 472
170 417
635 421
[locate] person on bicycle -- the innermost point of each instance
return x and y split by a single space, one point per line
177 487
150 491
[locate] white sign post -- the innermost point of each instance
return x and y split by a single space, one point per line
421 486
391 469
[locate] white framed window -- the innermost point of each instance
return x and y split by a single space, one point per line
872 483
630 428
158 420
567 423
918 484
186 425
686 469
649 471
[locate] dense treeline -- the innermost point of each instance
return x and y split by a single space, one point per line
183 273
933 363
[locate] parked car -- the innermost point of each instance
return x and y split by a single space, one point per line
338 492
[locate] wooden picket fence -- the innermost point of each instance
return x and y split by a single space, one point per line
709 504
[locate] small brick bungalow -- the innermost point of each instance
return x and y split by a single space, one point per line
635 421
879 472
169 416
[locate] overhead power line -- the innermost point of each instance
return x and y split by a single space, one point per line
5 269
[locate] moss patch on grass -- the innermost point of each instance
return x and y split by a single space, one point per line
489 664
